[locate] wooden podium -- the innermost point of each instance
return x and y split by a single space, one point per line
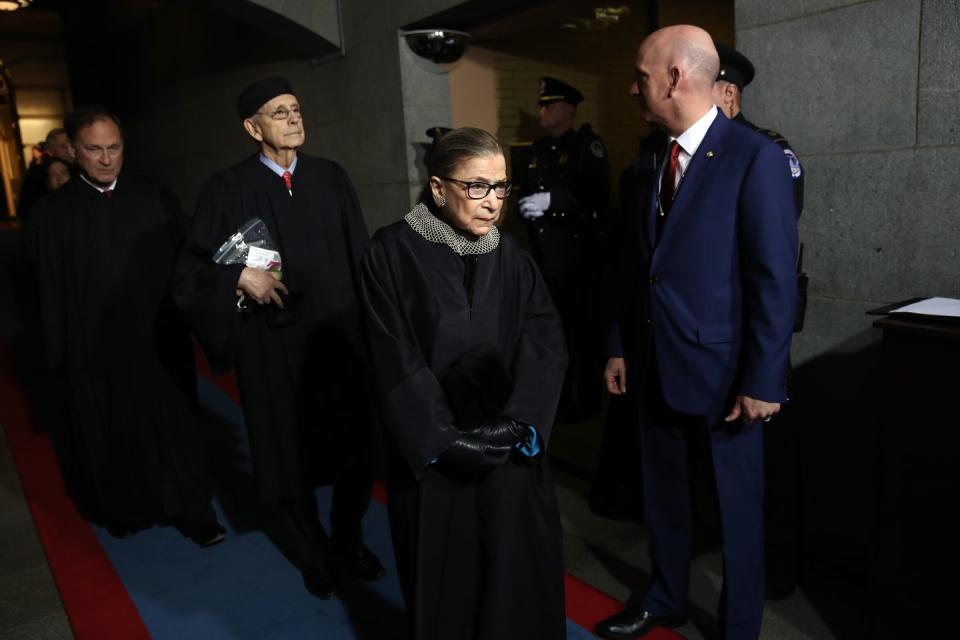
915 561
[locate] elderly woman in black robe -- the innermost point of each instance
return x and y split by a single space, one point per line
469 357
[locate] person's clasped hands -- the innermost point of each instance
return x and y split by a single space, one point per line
484 448
534 205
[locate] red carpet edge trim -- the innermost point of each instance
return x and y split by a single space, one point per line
95 600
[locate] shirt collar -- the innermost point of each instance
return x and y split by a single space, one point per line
690 139
113 185
277 169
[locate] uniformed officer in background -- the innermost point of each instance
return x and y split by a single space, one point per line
736 72
564 198
782 477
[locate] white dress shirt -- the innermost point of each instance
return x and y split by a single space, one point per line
689 142
277 169
113 185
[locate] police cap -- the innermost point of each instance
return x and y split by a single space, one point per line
553 90
734 66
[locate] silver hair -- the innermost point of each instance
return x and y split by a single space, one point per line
457 145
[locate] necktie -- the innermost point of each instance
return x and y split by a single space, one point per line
107 193
288 180
668 184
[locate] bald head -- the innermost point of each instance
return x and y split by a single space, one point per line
691 49
678 64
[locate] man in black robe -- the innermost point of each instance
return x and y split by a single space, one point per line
105 246
297 351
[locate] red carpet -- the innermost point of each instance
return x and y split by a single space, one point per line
95 600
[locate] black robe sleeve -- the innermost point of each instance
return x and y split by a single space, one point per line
414 407
206 291
357 237
45 248
540 359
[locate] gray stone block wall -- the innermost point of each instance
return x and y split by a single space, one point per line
867 94
939 95
752 13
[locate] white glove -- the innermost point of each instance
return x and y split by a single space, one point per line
534 205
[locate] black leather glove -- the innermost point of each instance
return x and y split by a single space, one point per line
470 455
505 432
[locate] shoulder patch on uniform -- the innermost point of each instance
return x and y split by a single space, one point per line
596 148
795 170
773 135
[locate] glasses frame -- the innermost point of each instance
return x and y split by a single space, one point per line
507 185
273 114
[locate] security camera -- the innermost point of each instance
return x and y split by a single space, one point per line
441 46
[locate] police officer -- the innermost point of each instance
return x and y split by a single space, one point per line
780 442
736 72
564 197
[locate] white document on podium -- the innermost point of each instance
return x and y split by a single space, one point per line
943 307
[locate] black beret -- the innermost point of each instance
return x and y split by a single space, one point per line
553 90
734 66
261 92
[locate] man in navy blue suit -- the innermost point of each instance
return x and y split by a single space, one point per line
705 318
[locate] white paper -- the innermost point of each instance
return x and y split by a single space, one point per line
945 307
265 259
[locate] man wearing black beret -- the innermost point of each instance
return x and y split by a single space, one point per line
295 345
564 191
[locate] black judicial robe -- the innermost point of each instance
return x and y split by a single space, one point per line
483 559
300 385
134 451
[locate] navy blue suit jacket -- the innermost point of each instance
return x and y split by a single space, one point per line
715 296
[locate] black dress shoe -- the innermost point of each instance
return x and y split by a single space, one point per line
320 583
209 535
362 562
635 623
205 533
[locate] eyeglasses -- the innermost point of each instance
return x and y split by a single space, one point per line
480 190
281 113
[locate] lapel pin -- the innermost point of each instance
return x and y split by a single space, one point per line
709 154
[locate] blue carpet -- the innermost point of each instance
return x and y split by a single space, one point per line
244 588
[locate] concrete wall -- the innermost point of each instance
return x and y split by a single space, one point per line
867 92
366 110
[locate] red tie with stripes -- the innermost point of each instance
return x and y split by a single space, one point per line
288 180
